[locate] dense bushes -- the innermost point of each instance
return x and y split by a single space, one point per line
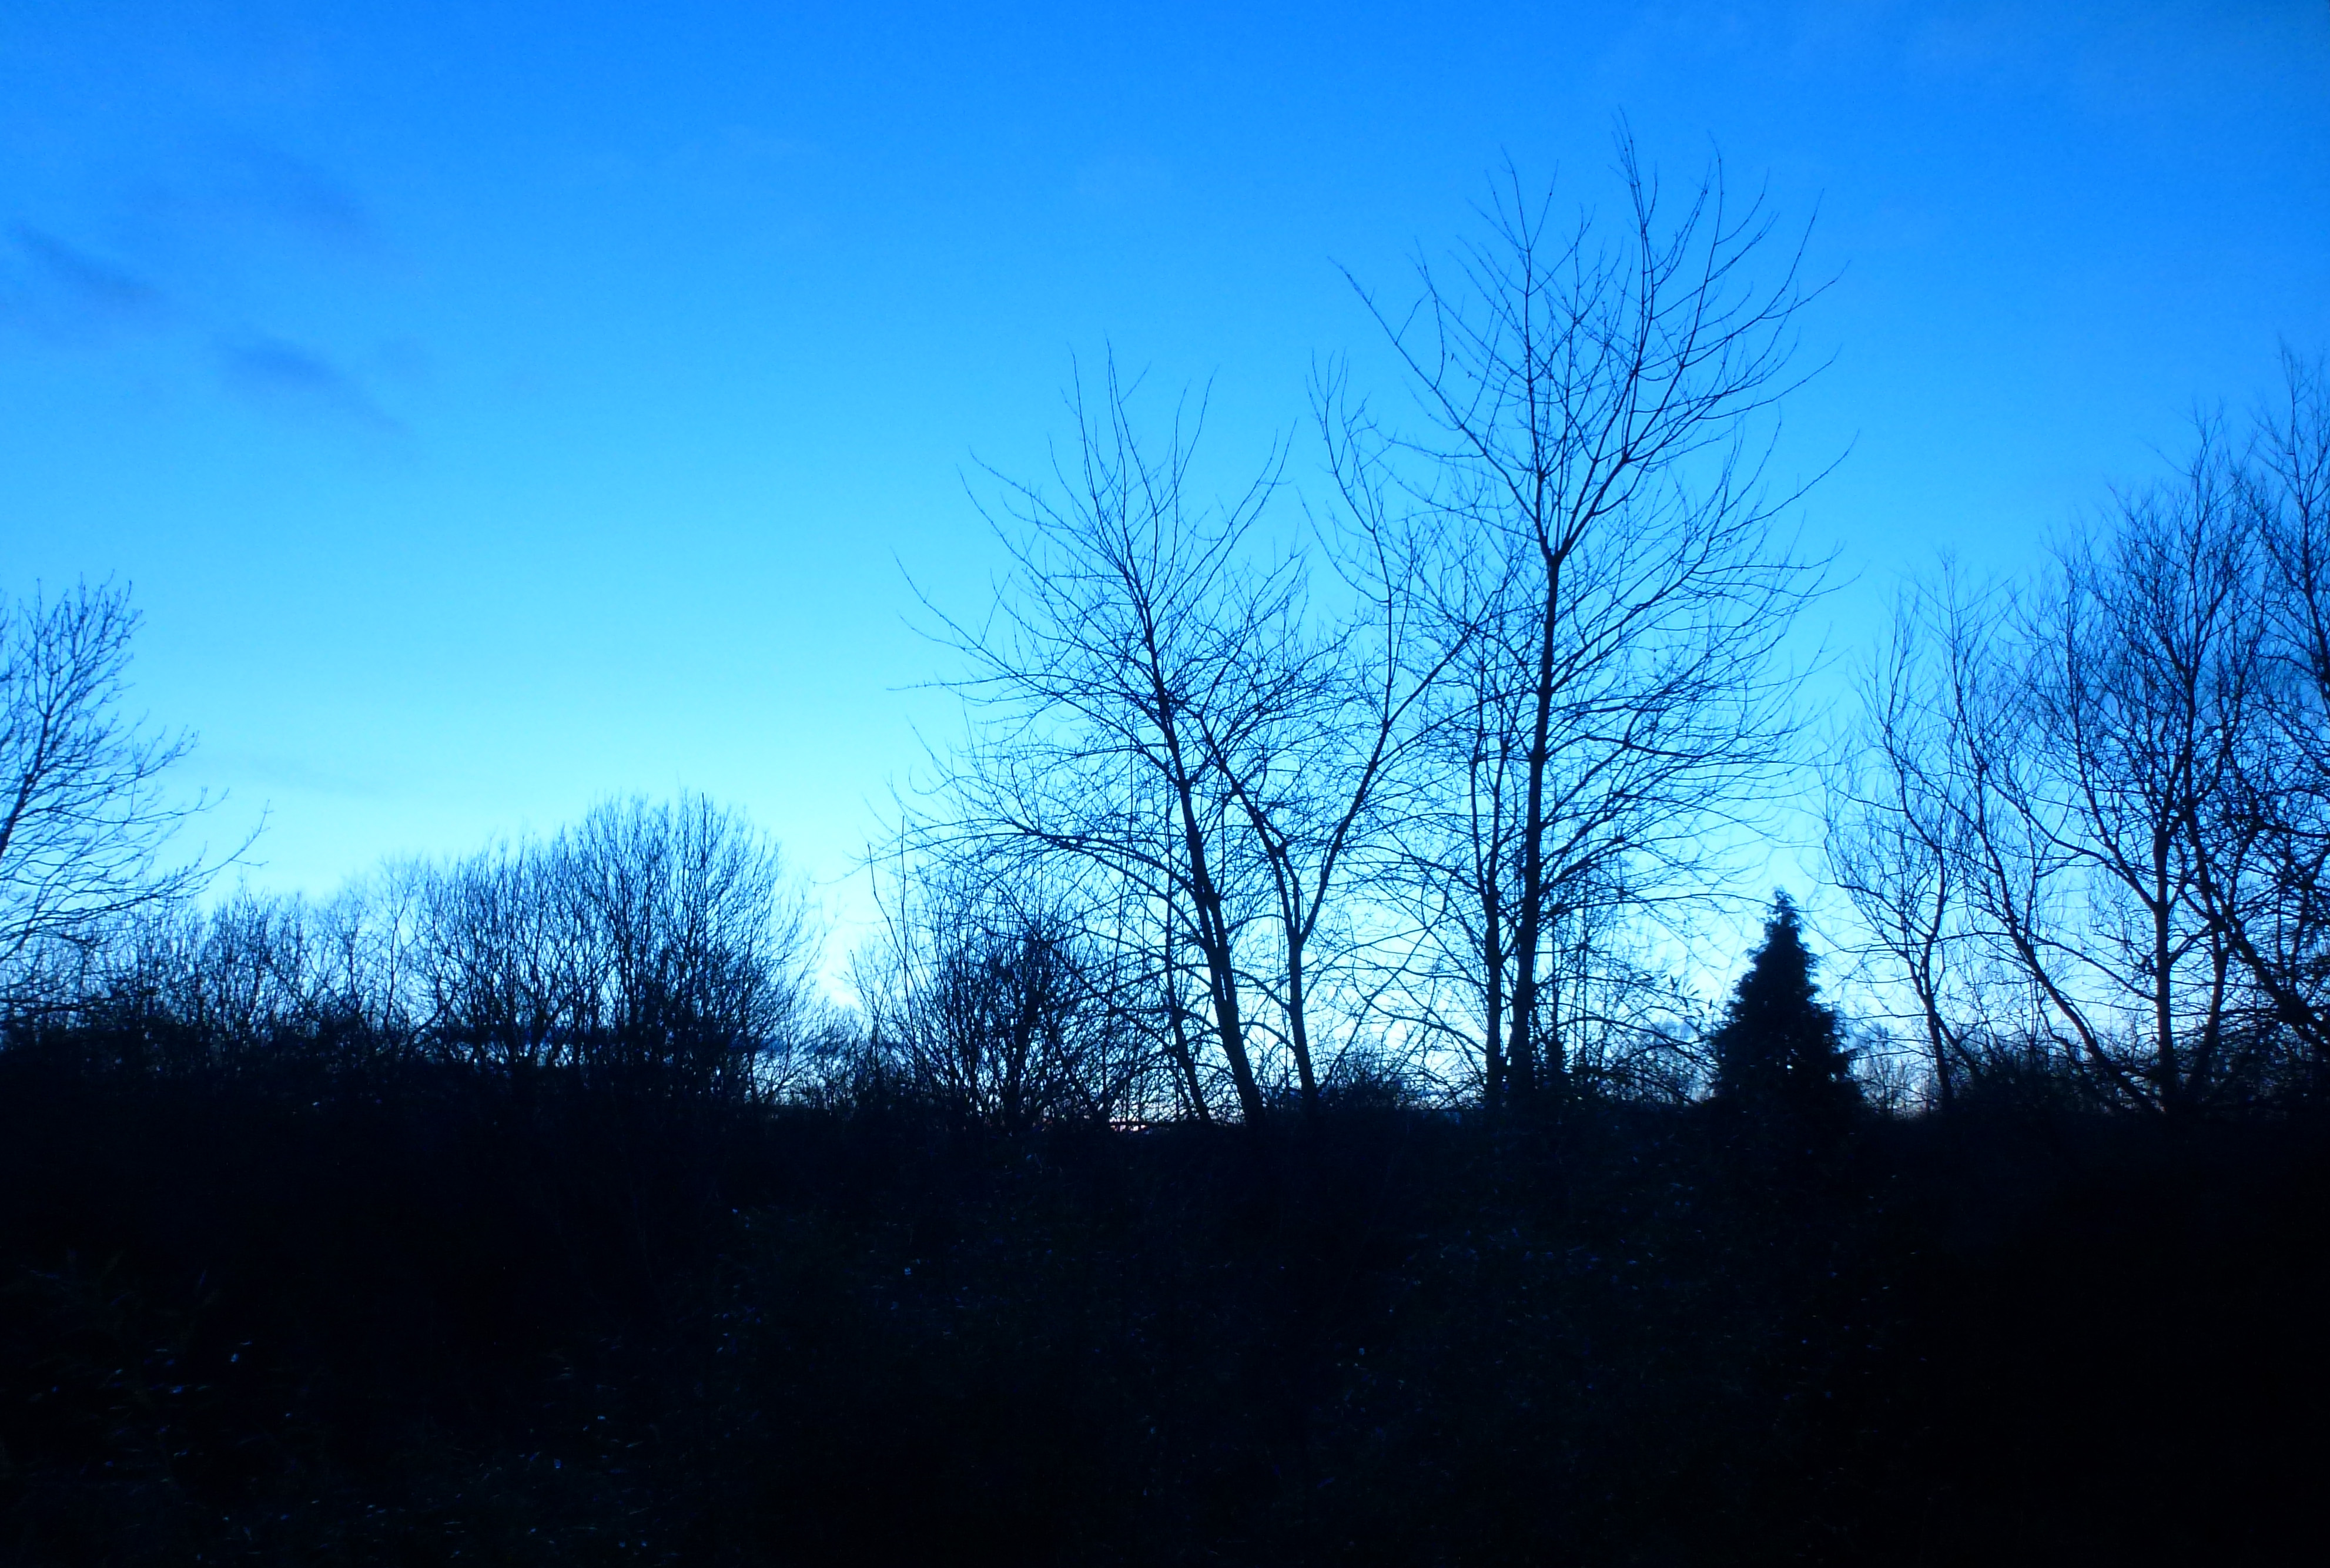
308 1313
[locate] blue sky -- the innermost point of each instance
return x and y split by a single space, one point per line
499 406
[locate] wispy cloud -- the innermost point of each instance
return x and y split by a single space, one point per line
268 184
284 375
65 288
184 250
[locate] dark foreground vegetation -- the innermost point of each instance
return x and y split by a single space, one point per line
313 1313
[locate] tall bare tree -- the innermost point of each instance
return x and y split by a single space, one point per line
1601 402
1114 676
1163 702
1333 716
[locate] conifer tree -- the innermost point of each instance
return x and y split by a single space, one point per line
1778 1053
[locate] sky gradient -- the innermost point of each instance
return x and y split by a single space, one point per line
500 407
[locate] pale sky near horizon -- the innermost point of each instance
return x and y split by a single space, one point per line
500 407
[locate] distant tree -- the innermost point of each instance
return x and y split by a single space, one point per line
651 938
1901 844
505 959
1778 1052
653 944
998 1010
85 821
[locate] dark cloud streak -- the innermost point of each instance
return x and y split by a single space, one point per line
284 376
74 289
272 185
197 240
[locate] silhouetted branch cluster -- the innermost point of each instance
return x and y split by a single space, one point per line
1000 1011
85 819
2084 824
648 944
1451 801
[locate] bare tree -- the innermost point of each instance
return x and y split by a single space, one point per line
1161 701
511 971
1897 842
1554 676
1113 679
1600 401
657 944
994 1001
2068 789
2278 920
86 822
1332 716
660 940
253 976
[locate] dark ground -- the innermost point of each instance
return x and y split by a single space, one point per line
321 1316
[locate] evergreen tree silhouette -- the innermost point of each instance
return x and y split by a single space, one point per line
1777 1054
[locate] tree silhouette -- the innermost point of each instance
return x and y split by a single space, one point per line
1599 399
1776 1055
86 822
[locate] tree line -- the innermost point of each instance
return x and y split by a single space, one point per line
1427 794
650 944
